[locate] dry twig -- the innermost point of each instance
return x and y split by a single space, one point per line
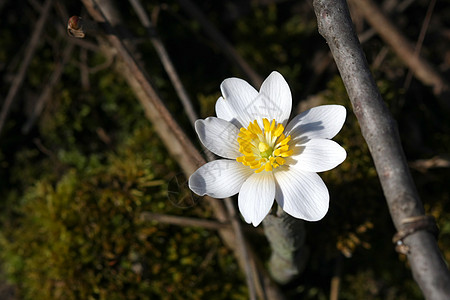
438 161
184 221
46 93
420 39
421 68
31 48
166 61
218 38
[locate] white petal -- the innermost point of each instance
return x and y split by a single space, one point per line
256 197
317 155
319 122
301 194
237 97
274 100
225 112
219 136
220 178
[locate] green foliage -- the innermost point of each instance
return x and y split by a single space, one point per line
86 238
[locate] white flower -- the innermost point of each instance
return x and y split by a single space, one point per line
265 159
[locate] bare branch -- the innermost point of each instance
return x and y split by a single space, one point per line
166 61
84 70
192 115
184 221
215 35
438 161
420 39
336 280
381 134
46 93
421 68
243 248
31 48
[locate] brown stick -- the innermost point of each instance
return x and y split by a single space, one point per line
184 221
423 70
380 132
165 60
192 115
31 48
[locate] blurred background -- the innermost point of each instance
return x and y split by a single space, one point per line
85 181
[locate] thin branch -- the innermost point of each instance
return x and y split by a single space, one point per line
192 115
166 61
220 40
31 48
84 70
423 165
420 39
187 155
336 279
46 93
381 134
421 68
243 247
184 221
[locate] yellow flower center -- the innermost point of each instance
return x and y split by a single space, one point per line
263 149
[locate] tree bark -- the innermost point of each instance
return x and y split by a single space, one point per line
381 134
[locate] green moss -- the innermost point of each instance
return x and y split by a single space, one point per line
83 237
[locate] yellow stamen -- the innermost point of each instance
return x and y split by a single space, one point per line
266 125
278 131
263 148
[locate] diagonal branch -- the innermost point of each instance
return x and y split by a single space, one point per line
226 47
46 93
420 39
380 132
192 115
404 48
31 48
165 59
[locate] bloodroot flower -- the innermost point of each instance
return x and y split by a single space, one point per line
265 159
